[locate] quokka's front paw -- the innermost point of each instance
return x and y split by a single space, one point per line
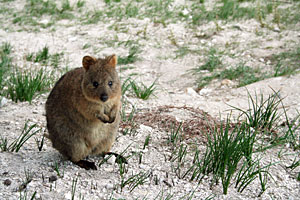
111 119
112 113
107 119
104 118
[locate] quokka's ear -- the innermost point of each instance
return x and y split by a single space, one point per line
87 61
112 60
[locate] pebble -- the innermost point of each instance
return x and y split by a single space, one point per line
109 186
52 178
227 82
276 29
68 195
145 128
108 169
205 92
111 160
3 102
44 21
191 91
143 166
72 39
145 150
7 182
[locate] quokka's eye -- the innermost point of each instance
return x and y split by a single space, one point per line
95 84
110 83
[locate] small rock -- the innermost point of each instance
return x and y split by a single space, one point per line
204 91
7 182
3 102
108 169
262 60
191 91
276 29
111 160
185 12
145 150
145 128
227 82
143 166
52 178
72 39
68 195
109 186
44 21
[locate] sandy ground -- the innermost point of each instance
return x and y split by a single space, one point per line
175 88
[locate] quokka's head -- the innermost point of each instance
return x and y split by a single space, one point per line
100 80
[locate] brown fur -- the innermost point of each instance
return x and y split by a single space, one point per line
78 121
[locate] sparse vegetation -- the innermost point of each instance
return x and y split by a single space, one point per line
35 9
213 62
138 89
43 56
15 146
40 143
56 168
131 58
142 91
135 180
262 114
74 188
244 75
230 144
24 86
5 64
286 63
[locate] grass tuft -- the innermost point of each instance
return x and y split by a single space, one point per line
228 157
131 58
287 63
176 134
213 62
135 180
249 171
24 86
262 114
43 56
80 3
15 146
142 91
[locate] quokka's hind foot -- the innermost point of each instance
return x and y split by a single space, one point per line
86 164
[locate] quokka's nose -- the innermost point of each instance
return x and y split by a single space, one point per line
103 97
